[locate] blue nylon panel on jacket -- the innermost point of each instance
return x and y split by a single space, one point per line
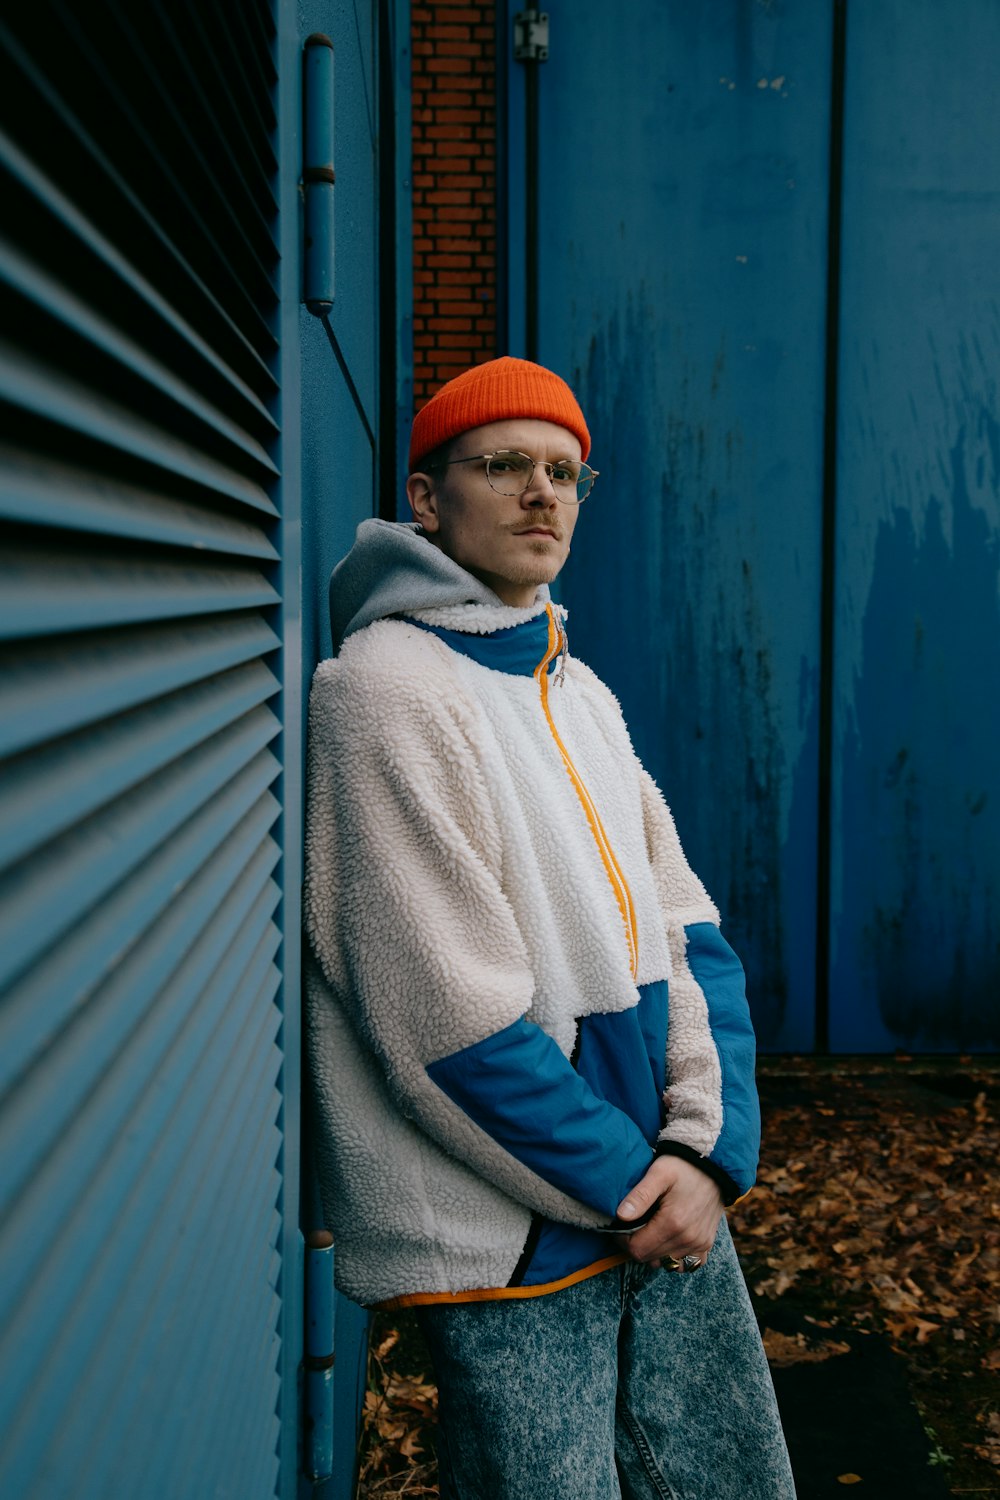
622 1055
720 974
562 1249
516 648
520 1089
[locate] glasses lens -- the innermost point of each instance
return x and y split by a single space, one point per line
509 473
572 480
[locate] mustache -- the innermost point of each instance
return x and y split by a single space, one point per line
537 525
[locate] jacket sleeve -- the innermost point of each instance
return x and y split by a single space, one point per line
407 916
713 1115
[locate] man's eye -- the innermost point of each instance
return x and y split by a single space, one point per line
511 463
563 474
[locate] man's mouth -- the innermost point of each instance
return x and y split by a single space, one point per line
538 531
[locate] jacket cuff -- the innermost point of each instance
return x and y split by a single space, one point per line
727 1187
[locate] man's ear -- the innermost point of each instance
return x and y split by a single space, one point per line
423 498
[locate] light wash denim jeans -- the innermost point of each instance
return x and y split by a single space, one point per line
636 1383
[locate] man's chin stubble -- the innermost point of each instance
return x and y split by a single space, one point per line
543 571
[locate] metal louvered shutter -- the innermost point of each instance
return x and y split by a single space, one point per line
143 1044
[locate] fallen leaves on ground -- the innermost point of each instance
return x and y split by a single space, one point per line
891 1203
989 1448
877 1211
397 1411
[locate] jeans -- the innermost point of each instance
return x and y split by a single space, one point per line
636 1383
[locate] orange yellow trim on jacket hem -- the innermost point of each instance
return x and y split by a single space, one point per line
619 885
500 1293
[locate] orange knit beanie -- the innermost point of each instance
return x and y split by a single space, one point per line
493 392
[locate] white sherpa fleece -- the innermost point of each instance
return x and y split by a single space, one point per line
453 886
482 619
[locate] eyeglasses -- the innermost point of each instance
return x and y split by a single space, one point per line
511 473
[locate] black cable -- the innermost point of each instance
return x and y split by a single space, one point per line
352 388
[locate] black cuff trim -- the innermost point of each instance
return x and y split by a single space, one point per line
727 1187
530 1246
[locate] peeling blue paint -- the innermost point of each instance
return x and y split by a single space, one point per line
918 962
668 611
915 958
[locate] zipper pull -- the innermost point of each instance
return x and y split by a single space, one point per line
563 656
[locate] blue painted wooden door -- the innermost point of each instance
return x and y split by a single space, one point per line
915 889
788 571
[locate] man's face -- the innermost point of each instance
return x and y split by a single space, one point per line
512 543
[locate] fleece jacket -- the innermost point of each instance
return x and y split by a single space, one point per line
517 991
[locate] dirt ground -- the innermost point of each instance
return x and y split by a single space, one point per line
873 1239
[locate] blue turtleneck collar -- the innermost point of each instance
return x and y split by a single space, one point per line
516 648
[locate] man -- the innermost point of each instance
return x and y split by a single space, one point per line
532 1055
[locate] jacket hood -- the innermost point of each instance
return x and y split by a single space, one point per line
393 569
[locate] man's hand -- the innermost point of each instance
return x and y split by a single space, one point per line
685 1222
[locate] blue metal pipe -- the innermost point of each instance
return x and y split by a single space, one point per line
317 174
318 1356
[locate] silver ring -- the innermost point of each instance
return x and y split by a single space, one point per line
691 1262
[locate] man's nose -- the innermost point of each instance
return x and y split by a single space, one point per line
539 490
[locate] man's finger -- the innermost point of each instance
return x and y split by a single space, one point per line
647 1191
640 1198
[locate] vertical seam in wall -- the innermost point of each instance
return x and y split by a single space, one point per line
824 841
531 247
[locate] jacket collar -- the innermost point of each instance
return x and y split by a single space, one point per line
477 632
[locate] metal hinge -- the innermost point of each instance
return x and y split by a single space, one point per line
318 176
531 35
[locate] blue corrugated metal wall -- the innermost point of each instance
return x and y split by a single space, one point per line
148 1022
155 642
790 579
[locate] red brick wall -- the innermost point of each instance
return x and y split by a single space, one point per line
454 189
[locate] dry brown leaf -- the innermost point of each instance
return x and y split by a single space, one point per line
389 1342
784 1349
412 1391
410 1445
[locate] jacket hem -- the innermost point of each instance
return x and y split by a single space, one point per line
499 1293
